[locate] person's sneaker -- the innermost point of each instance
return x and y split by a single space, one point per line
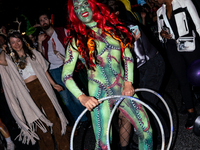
190 120
10 146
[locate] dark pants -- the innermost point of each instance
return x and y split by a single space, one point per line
180 62
43 102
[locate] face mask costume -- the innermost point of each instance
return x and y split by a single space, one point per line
100 48
83 10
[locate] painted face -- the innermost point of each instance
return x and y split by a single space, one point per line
83 10
16 44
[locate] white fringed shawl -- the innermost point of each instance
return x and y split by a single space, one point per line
27 115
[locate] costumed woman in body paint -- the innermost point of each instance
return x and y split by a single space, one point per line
100 41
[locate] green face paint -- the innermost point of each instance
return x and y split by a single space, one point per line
83 11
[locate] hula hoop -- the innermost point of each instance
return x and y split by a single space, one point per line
139 101
112 113
168 110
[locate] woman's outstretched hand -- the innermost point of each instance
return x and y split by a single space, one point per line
128 89
88 101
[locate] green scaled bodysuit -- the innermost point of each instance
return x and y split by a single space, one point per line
108 79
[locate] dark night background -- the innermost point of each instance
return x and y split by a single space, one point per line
10 9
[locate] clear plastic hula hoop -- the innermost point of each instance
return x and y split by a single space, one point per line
120 99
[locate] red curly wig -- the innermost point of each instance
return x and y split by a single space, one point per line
83 35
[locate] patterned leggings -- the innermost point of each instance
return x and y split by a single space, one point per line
133 112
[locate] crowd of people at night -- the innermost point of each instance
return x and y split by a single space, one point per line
50 74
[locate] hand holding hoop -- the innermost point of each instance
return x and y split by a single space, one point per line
88 101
